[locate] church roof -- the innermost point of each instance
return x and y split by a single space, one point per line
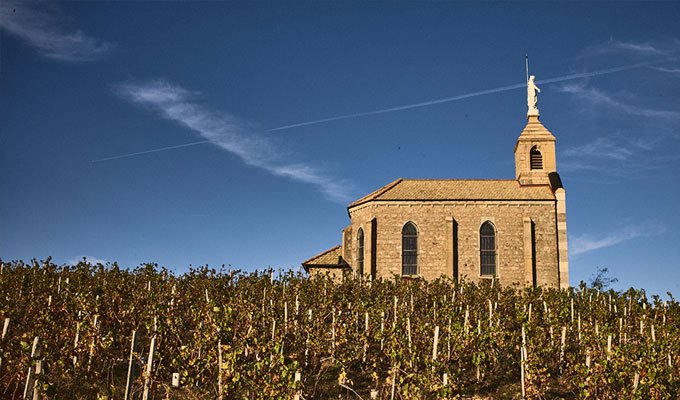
457 189
331 258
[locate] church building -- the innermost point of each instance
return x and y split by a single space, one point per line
513 230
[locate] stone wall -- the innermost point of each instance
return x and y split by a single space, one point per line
337 274
435 238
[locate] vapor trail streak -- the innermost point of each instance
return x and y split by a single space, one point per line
463 96
150 151
399 108
596 73
414 105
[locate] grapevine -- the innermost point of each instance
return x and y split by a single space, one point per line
266 334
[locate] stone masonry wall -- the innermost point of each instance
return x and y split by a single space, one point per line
435 242
336 274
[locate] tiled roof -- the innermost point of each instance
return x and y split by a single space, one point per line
457 189
329 258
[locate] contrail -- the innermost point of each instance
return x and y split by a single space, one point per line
410 106
463 96
399 108
599 72
150 151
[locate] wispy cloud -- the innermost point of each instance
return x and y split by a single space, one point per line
581 244
33 23
669 70
600 148
628 123
597 97
90 259
610 159
228 133
631 48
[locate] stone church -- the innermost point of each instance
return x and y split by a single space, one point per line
513 230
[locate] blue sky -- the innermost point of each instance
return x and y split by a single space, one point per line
84 83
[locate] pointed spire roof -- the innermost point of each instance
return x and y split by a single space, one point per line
534 130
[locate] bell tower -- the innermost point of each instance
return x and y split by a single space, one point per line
535 165
534 154
535 148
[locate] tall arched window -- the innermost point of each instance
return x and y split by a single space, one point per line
409 249
536 158
360 251
487 249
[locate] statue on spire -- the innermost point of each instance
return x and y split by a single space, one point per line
532 96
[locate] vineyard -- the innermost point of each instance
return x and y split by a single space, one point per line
94 331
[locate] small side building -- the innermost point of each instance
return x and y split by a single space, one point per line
330 261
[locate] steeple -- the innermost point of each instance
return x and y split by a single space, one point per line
535 148
535 165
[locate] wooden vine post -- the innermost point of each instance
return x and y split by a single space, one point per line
4 333
95 327
382 330
130 377
35 370
363 357
394 321
285 316
636 378
220 394
75 345
448 340
410 352
5 327
563 341
298 392
435 343
149 368
523 359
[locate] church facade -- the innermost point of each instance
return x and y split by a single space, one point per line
512 230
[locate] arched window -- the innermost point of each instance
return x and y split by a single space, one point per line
487 249
409 249
360 251
536 158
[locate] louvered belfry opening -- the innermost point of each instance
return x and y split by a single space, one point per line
487 249
360 251
409 249
536 158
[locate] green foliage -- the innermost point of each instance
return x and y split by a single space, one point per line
601 280
266 330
